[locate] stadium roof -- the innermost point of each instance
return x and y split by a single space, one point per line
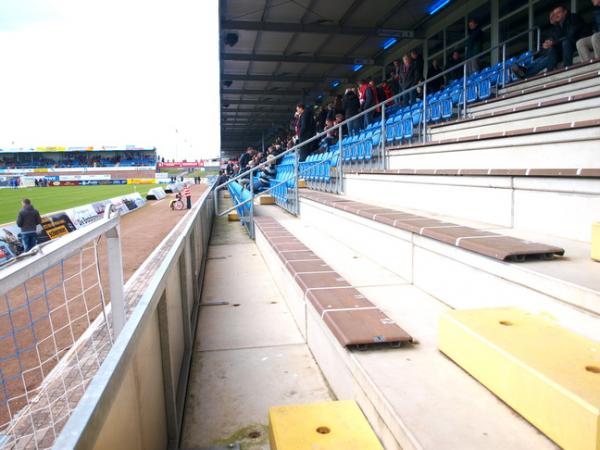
295 50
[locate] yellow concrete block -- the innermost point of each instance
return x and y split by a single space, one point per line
226 194
266 200
596 241
301 184
233 216
546 373
321 426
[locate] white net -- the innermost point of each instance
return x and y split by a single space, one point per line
54 334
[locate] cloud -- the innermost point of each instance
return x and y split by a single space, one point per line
114 72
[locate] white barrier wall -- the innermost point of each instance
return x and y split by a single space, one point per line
136 399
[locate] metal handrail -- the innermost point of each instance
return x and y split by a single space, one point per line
381 104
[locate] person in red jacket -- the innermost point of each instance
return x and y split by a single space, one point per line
187 193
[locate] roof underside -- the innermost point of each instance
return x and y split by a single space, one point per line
292 50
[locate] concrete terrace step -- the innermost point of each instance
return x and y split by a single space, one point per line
554 75
351 317
536 114
404 392
444 270
561 145
579 84
563 206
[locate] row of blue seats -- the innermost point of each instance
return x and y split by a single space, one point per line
319 166
284 177
239 195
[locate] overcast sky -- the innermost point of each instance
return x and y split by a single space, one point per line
110 72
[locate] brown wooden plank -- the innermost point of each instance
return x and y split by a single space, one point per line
506 248
364 327
320 280
328 299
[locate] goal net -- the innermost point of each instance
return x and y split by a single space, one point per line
54 334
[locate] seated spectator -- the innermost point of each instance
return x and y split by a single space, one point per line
267 173
474 45
566 30
589 47
351 107
222 178
545 59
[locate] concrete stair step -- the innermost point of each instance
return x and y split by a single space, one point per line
573 88
404 392
543 150
558 206
524 120
533 110
549 77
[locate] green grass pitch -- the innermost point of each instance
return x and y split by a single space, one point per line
50 199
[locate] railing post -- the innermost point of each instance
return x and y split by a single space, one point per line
382 135
250 222
296 173
465 90
115 279
340 162
424 128
503 65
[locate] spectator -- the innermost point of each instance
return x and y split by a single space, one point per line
419 64
351 107
395 75
268 173
566 30
187 193
376 100
222 178
408 79
245 159
28 220
455 60
434 70
306 130
474 45
545 59
367 100
589 47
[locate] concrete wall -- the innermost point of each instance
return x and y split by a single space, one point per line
136 399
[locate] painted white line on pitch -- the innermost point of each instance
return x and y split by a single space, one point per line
157 202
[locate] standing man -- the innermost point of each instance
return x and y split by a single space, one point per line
474 45
28 220
187 193
307 128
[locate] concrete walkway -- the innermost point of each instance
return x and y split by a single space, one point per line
249 355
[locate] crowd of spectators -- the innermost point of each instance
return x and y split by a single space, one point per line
74 159
564 35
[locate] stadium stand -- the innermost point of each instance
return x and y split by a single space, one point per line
464 216
447 192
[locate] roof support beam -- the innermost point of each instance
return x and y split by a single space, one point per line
284 78
268 93
284 27
304 59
